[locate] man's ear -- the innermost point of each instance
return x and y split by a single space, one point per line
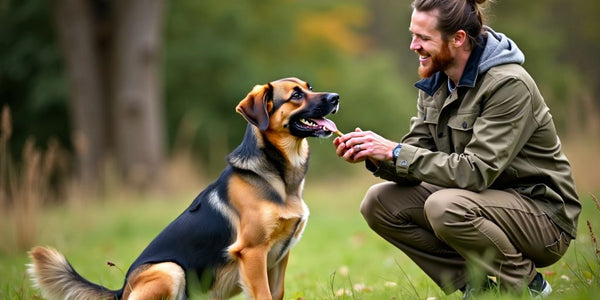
459 38
254 107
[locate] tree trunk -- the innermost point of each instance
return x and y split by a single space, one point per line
76 33
135 83
112 56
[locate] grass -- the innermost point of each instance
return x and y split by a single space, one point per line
339 257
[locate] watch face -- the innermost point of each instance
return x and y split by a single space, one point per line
396 151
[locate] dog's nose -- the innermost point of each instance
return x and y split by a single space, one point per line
333 98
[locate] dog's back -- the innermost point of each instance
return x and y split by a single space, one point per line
196 240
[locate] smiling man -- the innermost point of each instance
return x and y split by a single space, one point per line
480 182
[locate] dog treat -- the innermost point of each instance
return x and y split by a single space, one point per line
329 126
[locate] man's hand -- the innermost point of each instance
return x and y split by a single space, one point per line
360 145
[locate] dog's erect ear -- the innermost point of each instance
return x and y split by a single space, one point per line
254 106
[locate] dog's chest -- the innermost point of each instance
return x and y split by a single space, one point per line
288 232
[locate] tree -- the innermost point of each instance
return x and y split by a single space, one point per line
112 56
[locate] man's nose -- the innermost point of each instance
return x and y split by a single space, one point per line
414 44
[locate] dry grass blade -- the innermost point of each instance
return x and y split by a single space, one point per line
24 184
593 237
594 240
6 124
596 201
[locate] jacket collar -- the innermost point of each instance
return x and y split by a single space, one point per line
468 78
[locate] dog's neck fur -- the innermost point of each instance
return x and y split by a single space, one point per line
258 153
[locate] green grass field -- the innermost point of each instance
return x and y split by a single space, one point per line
339 257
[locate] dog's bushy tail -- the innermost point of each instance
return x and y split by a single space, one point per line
55 277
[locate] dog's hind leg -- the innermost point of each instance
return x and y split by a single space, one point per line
158 281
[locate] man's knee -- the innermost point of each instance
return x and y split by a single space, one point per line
380 203
370 205
445 207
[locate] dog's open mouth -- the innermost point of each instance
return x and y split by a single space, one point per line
321 127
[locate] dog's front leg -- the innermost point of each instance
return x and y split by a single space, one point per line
253 269
276 278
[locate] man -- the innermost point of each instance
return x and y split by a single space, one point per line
480 181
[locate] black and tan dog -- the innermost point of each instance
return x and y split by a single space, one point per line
236 235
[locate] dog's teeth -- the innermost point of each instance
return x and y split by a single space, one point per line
308 122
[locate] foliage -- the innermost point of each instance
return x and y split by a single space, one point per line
32 80
215 53
549 49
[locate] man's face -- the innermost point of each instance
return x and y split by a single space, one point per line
434 52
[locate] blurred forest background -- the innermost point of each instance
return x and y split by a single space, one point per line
91 88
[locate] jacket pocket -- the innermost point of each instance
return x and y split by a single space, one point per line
461 129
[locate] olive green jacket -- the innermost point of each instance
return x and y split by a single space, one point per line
494 131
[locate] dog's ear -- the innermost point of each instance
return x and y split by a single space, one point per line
254 106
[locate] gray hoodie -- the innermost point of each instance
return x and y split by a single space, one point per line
499 50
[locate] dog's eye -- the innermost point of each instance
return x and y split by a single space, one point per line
297 96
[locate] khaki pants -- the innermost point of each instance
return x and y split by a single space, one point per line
446 232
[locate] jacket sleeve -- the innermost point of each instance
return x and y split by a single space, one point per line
504 126
387 171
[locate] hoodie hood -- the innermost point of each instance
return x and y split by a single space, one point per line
499 50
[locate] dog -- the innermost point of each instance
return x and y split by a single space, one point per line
237 234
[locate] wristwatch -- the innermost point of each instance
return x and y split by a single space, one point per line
396 152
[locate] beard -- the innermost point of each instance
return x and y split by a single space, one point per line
439 62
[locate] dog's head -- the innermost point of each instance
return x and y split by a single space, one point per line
289 104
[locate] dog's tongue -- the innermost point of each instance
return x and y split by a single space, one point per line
326 123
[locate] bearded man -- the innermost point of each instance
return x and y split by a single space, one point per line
479 193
